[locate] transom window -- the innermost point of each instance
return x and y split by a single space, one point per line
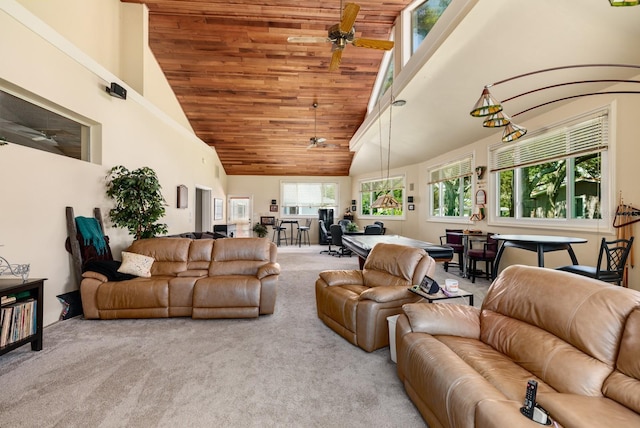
27 124
450 188
423 18
555 175
370 190
304 199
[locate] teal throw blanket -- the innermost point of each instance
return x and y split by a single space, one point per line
91 233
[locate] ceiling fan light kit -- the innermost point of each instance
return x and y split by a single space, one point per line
342 33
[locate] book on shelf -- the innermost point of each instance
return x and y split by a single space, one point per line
5 300
17 321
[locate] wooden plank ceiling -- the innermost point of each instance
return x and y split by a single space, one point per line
249 93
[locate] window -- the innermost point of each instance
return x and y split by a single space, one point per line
370 190
306 198
556 175
26 124
423 18
450 188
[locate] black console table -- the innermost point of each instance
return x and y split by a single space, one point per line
27 291
225 230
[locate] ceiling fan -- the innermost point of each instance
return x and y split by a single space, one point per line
342 33
315 141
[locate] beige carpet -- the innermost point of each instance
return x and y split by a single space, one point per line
283 370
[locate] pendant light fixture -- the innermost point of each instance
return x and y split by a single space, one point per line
386 200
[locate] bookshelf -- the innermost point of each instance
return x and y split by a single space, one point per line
28 306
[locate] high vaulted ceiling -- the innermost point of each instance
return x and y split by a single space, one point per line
249 93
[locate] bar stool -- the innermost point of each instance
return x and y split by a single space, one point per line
303 233
280 231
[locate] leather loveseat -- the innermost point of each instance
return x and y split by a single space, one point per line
202 278
578 338
356 303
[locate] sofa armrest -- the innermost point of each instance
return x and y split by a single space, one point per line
95 275
342 277
268 269
498 414
444 319
386 293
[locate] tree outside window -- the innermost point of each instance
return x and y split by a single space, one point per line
423 18
372 189
451 189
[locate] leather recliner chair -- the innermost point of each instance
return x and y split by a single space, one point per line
356 303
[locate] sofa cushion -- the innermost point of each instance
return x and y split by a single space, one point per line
170 254
138 293
391 264
575 349
624 383
239 256
136 264
200 254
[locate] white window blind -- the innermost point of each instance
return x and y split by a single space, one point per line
451 170
309 194
589 135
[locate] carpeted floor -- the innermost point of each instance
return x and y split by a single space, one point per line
283 370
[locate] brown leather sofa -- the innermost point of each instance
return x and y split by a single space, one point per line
203 278
578 338
356 303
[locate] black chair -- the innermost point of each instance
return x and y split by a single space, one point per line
303 233
324 236
453 240
336 239
381 224
486 254
278 232
616 253
372 229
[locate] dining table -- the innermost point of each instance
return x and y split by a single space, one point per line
537 243
291 224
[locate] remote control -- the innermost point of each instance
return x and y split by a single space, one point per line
530 399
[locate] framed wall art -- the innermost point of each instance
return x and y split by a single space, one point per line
182 196
218 207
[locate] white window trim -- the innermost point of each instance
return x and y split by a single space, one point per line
450 219
388 217
314 215
607 185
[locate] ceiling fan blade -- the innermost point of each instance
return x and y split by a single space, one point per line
349 17
309 39
384 45
336 58
320 140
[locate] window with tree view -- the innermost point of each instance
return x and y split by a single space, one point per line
423 18
450 188
556 175
372 189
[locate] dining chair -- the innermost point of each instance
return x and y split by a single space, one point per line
279 233
615 253
372 229
303 233
453 239
486 254
381 224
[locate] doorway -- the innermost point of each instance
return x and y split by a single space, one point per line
240 209
203 210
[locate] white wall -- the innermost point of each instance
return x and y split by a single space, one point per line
37 186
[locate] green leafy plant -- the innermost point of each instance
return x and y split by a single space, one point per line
139 202
260 230
352 227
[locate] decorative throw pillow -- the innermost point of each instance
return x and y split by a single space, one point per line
136 264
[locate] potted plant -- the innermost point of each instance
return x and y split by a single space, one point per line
260 230
139 202
352 227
